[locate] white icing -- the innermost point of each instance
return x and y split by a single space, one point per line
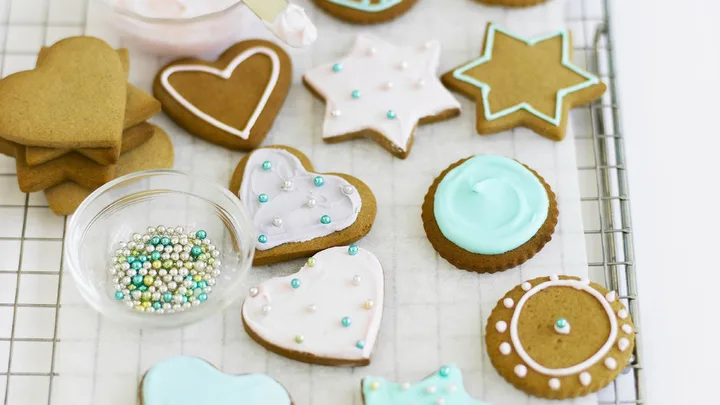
440 401
526 286
627 329
328 286
564 330
173 8
431 389
554 384
226 74
611 296
610 363
622 314
451 388
585 378
562 372
508 302
501 326
293 27
623 344
520 371
372 63
505 348
405 386
300 222
554 277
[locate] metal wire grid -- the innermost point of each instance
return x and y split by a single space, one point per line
612 201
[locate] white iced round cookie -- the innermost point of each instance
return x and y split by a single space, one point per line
327 313
173 8
294 27
287 204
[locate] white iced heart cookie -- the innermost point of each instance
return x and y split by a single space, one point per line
327 313
191 381
296 211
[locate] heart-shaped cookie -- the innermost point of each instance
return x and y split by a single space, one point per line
76 99
192 381
232 101
297 212
327 313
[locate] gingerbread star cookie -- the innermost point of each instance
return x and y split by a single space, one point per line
520 82
383 92
366 11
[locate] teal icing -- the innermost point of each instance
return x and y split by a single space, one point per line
490 205
449 388
367 5
192 381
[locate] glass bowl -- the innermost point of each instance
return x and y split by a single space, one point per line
132 203
200 34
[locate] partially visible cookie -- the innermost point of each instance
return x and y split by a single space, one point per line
233 101
489 213
297 212
560 337
193 381
366 11
513 3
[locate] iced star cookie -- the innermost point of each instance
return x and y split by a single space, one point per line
366 11
444 387
192 381
560 337
383 92
327 313
489 213
297 212
520 82
233 101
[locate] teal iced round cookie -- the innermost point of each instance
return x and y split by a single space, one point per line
489 213
366 11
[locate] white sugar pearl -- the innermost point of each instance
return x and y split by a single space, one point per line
335 113
277 221
287 185
266 309
348 189
311 203
388 85
312 308
357 280
405 386
372 51
431 389
403 65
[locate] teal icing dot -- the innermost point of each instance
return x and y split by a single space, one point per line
157 305
155 240
346 321
444 371
337 68
130 259
325 219
143 258
266 165
202 297
262 239
263 198
165 241
391 114
360 344
295 283
136 265
201 234
196 251
202 284
353 250
155 256
119 295
167 297
356 94
137 279
319 181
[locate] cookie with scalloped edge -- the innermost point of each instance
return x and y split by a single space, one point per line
366 11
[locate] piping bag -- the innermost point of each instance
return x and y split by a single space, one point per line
286 20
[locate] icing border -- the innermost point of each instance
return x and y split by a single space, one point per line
366 5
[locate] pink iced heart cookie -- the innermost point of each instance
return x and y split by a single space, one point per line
328 313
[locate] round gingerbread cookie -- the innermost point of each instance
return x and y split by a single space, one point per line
489 213
366 11
513 3
560 337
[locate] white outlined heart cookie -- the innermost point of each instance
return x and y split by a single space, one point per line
327 313
232 101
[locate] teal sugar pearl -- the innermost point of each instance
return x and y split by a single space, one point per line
165 241
157 305
337 68
319 181
155 256
325 219
266 165
202 284
130 259
263 198
155 240
167 297
142 288
262 239
136 265
360 344
119 295
391 114
184 299
353 250
295 283
196 251
143 258
444 371
201 234
202 297
356 94
561 323
346 321
137 279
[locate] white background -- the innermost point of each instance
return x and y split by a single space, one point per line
668 54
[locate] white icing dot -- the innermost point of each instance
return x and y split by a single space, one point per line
554 384
520 371
554 277
266 309
627 329
501 326
348 189
431 389
287 185
505 348
357 280
508 302
526 286
622 314
440 401
372 51
421 83
426 46
451 388
585 281
611 296
311 203
335 113
388 85
623 344
312 308
278 222
610 363
405 386
585 378
403 65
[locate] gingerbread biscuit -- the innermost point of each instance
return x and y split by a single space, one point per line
513 3
156 153
444 387
75 99
560 337
383 92
233 101
521 82
191 381
489 213
366 11
296 212
139 107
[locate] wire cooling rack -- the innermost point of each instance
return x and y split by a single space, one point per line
32 238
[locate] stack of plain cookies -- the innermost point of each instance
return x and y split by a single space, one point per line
74 122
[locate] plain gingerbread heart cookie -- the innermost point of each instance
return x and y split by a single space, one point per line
297 212
231 102
192 381
560 337
366 11
327 313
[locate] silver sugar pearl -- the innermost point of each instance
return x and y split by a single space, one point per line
216 253
116 280
129 303
126 252
179 263
162 272
132 245
112 270
162 289
121 245
125 266
153 272
136 294
170 230
217 264
167 278
208 290
149 248
168 249
161 229
117 286
140 246
151 230
175 241
216 273
178 279
160 311
182 290
190 265
173 272
146 238
196 302
147 265
121 274
188 283
177 306
143 271
186 305
167 305
311 203
152 289
193 272
183 241
211 247
174 256
187 248
183 271
184 256
287 185
200 265
206 242
158 283
119 252
172 286
165 256
131 272
179 229
254 291
211 282
177 248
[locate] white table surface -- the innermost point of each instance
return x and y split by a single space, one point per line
668 56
